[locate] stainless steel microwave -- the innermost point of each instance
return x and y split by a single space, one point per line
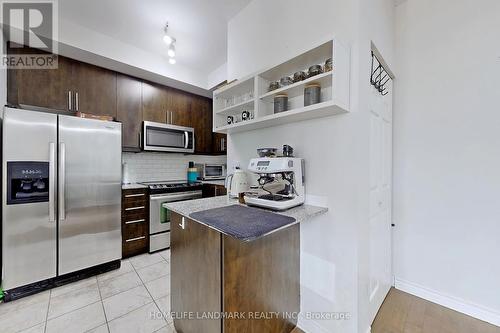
211 171
167 138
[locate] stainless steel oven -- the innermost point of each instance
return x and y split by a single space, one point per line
167 138
159 217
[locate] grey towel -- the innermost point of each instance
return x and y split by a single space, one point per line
241 222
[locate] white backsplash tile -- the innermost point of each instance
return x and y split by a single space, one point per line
143 167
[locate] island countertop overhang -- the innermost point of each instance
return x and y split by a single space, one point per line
186 208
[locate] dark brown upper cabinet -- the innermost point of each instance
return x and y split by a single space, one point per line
179 107
154 102
94 89
73 86
129 111
47 88
201 121
219 144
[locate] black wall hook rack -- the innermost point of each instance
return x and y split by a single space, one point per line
379 76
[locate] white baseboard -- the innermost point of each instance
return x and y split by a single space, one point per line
474 310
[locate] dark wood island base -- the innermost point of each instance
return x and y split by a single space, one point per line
222 284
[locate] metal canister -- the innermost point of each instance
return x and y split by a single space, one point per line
280 103
286 81
312 94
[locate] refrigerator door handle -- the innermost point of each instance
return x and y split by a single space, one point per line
62 181
52 182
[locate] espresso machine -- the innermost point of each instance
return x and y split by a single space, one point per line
281 183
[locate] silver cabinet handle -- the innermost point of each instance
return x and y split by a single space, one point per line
77 102
135 221
171 117
135 195
215 190
135 239
140 139
52 182
134 208
183 223
62 181
70 101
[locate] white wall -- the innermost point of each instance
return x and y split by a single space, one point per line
335 148
447 153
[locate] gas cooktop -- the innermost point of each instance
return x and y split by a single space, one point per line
172 186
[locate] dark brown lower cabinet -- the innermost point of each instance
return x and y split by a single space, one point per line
135 222
196 275
213 274
212 190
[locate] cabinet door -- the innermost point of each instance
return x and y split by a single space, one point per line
179 107
48 88
201 111
129 111
219 143
95 89
154 103
195 262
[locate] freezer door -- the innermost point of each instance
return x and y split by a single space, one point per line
89 193
28 197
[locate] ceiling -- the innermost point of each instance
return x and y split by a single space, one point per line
200 26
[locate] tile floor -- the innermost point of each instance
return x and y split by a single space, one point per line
134 298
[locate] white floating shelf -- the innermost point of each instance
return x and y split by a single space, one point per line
237 108
319 110
297 88
335 91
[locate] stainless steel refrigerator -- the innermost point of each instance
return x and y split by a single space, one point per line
61 195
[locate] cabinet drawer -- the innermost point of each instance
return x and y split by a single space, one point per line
137 195
135 228
134 208
134 246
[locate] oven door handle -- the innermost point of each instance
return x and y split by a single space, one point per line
176 197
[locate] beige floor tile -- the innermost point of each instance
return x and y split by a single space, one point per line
100 329
119 284
81 320
166 329
73 300
145 260
160 287
163 304
24 313
40 328
154 272
125 302
142 320
73 286
125 267
165 254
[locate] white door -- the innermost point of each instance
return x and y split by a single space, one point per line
380 198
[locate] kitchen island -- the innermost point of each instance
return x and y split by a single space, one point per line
228 280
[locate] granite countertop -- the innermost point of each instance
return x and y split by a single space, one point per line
186 208
132 186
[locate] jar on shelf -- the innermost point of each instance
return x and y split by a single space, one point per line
274 85
312 94
299 76
280 103
286 81
315 70
328 65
